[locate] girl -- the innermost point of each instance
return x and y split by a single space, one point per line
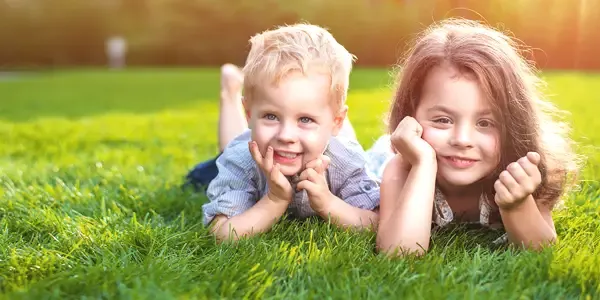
471 141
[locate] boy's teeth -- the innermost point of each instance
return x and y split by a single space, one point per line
287 155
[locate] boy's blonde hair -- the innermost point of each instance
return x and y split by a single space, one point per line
303 48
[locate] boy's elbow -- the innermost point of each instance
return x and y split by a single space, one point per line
222 231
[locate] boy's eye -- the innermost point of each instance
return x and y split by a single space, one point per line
271 117
443 120
306 120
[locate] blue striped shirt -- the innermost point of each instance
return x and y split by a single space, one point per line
240 183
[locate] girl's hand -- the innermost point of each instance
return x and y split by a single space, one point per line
408 142
280 188
518 181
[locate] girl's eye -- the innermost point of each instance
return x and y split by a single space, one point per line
271 117
306 120
485 123
443 120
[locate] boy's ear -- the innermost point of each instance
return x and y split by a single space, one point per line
246 108
338 121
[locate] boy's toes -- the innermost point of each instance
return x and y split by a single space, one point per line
231 79
231 73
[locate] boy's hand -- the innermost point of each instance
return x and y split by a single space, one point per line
519 180
280 188
408 142
313 180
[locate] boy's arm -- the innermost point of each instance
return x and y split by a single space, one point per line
351 196
528 224
357 203
258 219
406 207
237 207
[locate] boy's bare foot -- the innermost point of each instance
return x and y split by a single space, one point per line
232 80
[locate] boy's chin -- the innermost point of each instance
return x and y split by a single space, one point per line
290 170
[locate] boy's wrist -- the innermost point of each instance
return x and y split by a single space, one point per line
326 207
277 199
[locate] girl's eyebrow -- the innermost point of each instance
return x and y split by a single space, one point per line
442 108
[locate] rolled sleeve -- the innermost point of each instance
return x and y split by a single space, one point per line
360 190
234 190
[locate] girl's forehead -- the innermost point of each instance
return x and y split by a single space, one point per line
446 89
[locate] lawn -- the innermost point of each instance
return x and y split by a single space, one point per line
91 164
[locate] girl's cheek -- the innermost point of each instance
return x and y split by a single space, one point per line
493 147
433 137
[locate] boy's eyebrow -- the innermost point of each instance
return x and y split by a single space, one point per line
312 115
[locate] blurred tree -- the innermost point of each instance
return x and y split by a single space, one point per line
211 32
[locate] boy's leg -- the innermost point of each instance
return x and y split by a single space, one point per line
232 122
232 118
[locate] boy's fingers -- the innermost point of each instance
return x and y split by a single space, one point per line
311 164
326 161
310 175
277 177
306 185
268 161
319 166
255 153
313 175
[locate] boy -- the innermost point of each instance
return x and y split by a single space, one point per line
291 157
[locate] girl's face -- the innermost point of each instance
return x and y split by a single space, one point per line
458 123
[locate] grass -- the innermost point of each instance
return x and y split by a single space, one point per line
91 164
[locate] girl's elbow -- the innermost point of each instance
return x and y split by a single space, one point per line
537 245
400 249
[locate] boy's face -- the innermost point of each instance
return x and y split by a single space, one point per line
296 118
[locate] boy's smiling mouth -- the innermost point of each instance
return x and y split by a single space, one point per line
285 157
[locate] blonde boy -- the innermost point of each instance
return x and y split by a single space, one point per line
291 158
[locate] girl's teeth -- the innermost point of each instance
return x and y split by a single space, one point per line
461 160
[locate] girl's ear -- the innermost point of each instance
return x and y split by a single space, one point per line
338 120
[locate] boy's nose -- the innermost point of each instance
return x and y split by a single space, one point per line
287 134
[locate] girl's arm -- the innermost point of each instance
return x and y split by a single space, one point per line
406 206
528 224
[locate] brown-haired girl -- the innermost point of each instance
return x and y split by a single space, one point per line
471 140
